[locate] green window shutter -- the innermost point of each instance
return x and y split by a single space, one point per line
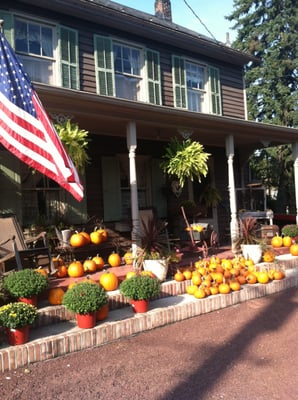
153 75
8 26
70 74
215 90
104 65
179 82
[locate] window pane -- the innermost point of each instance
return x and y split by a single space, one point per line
21 36
34 39
47 42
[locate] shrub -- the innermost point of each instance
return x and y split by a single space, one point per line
25 283
140 287
290 230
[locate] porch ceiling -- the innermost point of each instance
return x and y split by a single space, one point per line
109 116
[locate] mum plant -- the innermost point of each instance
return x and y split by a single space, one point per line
18 314
25 283
290 230
85 298
140 287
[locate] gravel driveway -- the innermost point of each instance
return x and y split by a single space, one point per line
244 352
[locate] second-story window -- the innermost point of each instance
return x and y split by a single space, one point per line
196 86
127 71
127 66
34 44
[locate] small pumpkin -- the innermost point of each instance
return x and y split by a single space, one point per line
104 234
128 258
62 271
109 281
179 277
268 256
102 313
89 265
55 296
86 236
41 271
276 241
75 269
224 288
114 260
99 261
96 237
294 249
77 240
287 241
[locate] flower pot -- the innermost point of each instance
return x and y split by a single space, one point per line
158 267
86 321
29 300
252 252
102 313
18 336
140 306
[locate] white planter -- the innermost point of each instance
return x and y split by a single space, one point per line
252 252
158 267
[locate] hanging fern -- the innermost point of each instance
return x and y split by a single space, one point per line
185 160
75 141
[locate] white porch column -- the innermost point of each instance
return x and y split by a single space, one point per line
131 138
232 192
295 159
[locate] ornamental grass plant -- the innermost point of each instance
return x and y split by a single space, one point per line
25 283
85 298
140 287
16 315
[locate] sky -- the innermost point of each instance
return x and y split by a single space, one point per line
211 13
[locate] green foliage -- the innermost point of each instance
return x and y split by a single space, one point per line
290 230
76 142
140 287
16 315
4 295
184 160
268 31
25 283
84 297
248 231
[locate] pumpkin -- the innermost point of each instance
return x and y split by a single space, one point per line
263 277
109 281
104 234
55 296
41 271
114 260
96 237
196 279
57 261
130 274
278 275
287 241
89 265
86 236
294 249
62 271
224 288
77 240
200 293
235 285
128 258
268 256
191 289
102 313
99 261
179 277
276 241
75 269
251 278
187 274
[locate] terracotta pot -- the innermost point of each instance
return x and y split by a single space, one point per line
29 300
139 306
18 335
86 321
102 313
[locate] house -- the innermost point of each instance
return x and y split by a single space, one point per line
133 80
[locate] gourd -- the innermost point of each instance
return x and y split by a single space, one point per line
55 296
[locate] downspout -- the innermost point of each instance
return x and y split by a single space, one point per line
234 229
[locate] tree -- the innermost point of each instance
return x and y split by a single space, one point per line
268 30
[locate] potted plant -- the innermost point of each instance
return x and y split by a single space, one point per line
290 230
248 241
85 299
140 289
16 318
26 285
154 253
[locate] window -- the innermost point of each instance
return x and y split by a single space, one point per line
196 86
49 52
127 71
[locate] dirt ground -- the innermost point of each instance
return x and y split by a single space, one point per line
245 352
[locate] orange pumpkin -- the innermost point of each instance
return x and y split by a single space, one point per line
89 265
96 237
75 269
55 296
99 261
278 275
104 233
109 281
268 256
187 274
263 277
224 288
62 271
179 277
276 241
86 236
294 249
41 271
200 293
287 241
77 240
114 260
128 258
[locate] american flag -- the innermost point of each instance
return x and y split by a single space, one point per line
25 129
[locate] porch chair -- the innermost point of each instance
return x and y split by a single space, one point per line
14 245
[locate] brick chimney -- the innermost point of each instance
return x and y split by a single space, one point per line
163 9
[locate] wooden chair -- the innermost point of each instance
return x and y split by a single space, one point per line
14 245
